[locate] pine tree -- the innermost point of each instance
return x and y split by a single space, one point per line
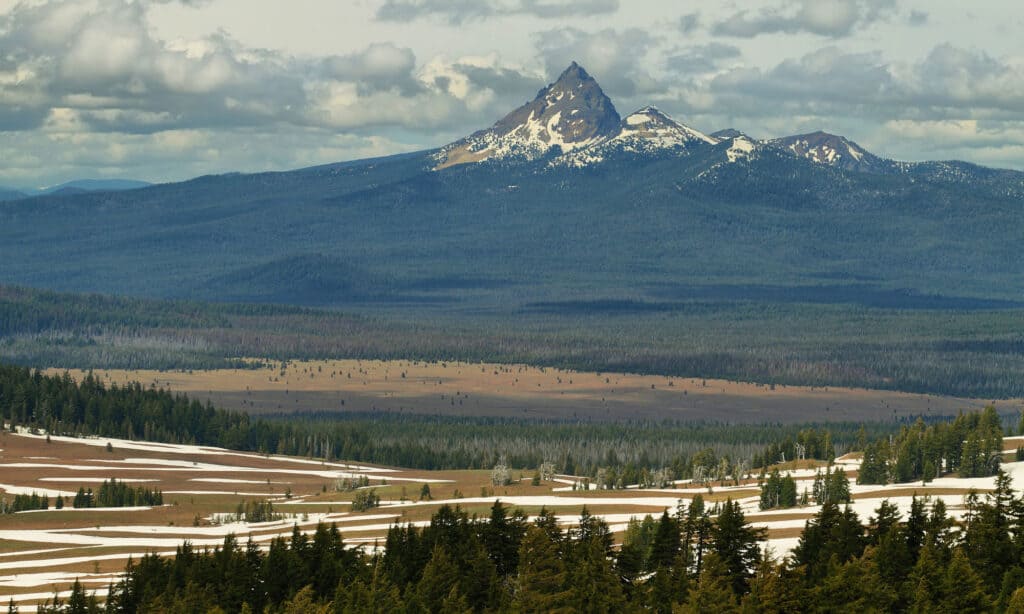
736 544
713 593
594 585
541 580
1016 602
962 588
774 589
304 602
77 603
666 543
440 576
856 586
455 603
926 580
377 596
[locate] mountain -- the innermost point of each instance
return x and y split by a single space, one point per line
645 132
574 123
78 186
561 207
570 113
10 194
830 149
94 185
728 133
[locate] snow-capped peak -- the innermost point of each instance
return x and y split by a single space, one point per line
571 113
829 149
650 123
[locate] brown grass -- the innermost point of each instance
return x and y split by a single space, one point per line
472 389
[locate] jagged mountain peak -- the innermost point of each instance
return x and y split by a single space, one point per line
830 149
573 74
570 113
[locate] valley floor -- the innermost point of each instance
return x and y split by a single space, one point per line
521 391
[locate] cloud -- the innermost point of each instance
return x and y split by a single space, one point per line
459 11
702 58
36 158
101 66
833 18
948 83
917 18
379 67
689 23
91 85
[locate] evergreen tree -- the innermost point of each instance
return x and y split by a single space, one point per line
77 603
304 602
377 596
713 593
736 544
440 577
666 543
1015 605
594 585
963 589
541 581
855 586
774 589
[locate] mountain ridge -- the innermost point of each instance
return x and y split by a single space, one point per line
538 130
631 219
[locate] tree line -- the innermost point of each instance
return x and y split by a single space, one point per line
620 454
968 353
25 502
696 558
117 494
971 445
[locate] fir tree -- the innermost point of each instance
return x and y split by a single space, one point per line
736 544
713 593
440 577
541 580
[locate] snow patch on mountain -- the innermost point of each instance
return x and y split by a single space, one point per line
740 149
831 150
647 131
571 113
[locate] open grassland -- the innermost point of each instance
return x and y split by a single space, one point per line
44 551
521 391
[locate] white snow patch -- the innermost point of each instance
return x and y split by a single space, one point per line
31 580
741 148
232 481
30 490
63 479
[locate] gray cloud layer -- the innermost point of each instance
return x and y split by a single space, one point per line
833 18
459 11
90 87
102 69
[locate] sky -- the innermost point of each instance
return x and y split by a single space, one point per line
165 90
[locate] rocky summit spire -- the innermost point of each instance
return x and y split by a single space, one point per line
570 113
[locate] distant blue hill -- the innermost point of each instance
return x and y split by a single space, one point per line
94 185
10 194
77 186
